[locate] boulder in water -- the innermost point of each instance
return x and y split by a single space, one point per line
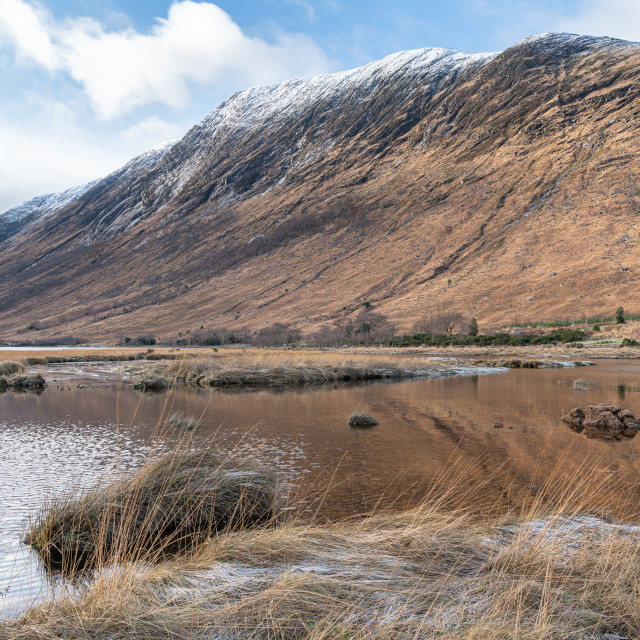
603 421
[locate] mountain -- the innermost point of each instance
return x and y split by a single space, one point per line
38 208
501 185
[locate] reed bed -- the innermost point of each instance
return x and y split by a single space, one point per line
418 574
254 368
61 356
172 501
586 352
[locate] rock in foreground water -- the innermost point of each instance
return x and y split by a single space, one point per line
604 421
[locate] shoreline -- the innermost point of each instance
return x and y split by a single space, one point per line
255 368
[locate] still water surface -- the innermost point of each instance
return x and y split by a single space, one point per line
71 437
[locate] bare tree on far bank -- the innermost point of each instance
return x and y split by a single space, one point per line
448 322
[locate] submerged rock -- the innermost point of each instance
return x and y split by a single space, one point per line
603 421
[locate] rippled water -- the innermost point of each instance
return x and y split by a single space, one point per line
69 437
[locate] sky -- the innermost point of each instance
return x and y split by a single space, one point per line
85 85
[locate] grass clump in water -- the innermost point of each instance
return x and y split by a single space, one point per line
176 500
360 419
27 383
179 420
151 382
275 369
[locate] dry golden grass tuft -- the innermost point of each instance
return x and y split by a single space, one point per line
431 572
255 367
10 368
47 356
172 502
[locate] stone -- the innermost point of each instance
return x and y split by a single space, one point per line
575 419
498 425
604 421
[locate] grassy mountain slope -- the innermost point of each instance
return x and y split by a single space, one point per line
502 186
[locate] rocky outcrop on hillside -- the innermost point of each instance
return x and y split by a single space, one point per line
430 180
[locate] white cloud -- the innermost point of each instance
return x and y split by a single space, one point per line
148 132
23 25
615 18
39 161
198 43
511 20
305 6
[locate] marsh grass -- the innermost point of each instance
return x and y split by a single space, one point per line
152 381
24 382
281 369
556 571
359 418
172 502
179 420
10 368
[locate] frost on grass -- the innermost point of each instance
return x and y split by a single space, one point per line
418 574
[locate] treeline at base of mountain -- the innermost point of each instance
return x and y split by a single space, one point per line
369 328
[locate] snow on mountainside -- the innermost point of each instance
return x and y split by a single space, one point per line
258 104
272 104
38 208
576 41
246 108
41 207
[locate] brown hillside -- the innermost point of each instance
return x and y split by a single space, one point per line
506 187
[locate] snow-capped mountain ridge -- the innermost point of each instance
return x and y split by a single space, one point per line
278 101
274 103
46 204
428 180
37 209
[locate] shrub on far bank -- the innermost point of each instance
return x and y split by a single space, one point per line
209 338
145 340
497 339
